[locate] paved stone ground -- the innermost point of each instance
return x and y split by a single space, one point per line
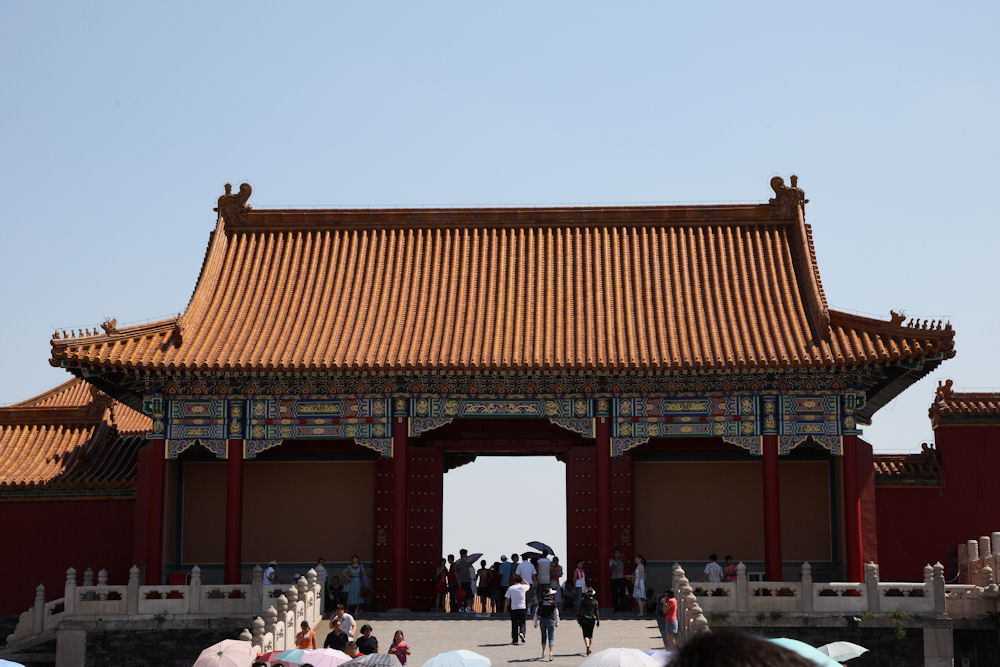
430 635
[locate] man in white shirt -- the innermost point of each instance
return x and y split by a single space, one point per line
713 571
527 571
543 575
516 603
347 624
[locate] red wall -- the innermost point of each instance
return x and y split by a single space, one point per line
917 526
46 538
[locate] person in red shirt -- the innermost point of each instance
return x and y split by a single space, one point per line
669 619
306 638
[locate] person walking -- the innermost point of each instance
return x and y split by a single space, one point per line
367 643
526 570
713 571
483 589
336 638
516 603
305 638
399 647
547 617
346 621
579 583
729 569
543 574
463 572
557 573
452 584
587 616
617 565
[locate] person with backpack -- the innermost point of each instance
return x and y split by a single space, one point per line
587 616
547 616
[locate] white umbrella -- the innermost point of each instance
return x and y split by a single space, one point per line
663 656
620 657
325 657
227 653
842 651
461 658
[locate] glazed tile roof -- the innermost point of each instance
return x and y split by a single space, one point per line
657 288
964 407
69 441
923 469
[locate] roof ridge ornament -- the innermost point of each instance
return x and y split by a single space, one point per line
234 208
788 200
944 390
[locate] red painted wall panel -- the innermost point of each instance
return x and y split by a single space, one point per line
382 567
80 534
425 488
581 512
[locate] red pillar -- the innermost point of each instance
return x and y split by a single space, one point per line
154 517
602 460
852 510
234 511
400 447
772 510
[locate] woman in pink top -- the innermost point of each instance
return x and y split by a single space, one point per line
399 648
579 583
669 619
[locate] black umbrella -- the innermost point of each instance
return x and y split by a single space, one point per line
541 546
530 555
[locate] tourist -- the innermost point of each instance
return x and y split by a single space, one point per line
516 603
351 649
713 571
639 583
733 649
547 617
483 588
367 644
464 573
587 616
305 638
336 638
399 647
669 609
617 565
271 573
579 583
335 593
347 623
557 573
729 569
543 575
357 583
495 589
440 585
452 585
506 568
526 569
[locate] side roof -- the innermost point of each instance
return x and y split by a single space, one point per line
615 289
971 408
69 441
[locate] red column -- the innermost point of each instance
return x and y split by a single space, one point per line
772 510
852 510
234 511
602 461
154 517
400 447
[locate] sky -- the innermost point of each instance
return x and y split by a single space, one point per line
121 122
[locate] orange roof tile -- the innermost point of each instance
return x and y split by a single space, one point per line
964 407
923 469
661 288
69 440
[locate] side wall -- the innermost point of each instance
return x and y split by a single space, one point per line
685 510
917 526
293 511
54 536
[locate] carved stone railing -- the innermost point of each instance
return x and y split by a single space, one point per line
294 604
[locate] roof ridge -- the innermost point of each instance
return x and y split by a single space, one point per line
29 402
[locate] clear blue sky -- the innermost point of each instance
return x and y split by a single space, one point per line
120 123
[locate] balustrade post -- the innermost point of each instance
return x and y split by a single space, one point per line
928 580
807 587
282 604
742 588
102 577
293 607
871 584
245 636
972 549
194 591
69 593
257 634
132 592
939 601
682 592
321 578
257 588
270 621
38 611
315 608
995 541
88 577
